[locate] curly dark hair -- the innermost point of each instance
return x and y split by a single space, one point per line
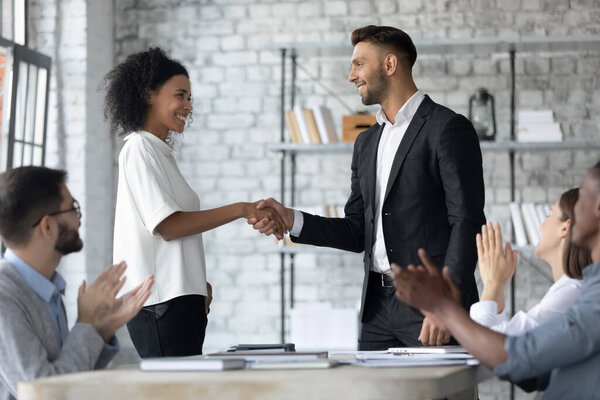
127 85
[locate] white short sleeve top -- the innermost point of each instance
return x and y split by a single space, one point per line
151 188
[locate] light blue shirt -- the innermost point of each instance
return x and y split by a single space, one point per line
566 348
50 293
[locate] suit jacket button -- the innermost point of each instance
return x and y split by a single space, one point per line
387 214
391 250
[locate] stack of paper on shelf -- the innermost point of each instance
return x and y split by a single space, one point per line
311 125
538 126
526 219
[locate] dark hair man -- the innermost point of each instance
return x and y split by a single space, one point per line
417 181
39 222
561 356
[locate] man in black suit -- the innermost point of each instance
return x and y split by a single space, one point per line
417 182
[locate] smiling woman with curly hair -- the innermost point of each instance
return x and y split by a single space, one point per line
158 222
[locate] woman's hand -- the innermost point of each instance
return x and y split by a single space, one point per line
497 264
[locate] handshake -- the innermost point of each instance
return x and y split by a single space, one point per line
270 217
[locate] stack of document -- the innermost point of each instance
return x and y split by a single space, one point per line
194 363
264 347
538 126
259 355
415 357
268 359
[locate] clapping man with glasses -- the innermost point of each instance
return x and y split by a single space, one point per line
39 223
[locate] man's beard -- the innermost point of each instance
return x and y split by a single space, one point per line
377 89
68 240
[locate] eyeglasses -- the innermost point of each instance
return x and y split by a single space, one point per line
76 207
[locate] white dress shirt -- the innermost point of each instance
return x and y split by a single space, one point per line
388 147
556 301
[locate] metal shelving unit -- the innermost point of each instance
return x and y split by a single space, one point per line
285 150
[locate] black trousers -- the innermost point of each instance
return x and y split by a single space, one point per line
173 328
387 322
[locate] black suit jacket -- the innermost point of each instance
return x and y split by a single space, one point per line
434 199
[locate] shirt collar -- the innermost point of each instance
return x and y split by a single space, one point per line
155 140
37 282
406 113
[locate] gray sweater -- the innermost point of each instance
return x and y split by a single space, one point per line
29 348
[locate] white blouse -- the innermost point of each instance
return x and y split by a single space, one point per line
151 188
556 301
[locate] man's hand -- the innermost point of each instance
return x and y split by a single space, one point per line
125 308
94 303
496 264
209 297
434 332
264 226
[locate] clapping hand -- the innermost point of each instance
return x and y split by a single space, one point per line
264 225
98 306
497 263
125 308
424 286
95 302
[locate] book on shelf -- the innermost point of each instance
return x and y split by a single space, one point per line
531 225
311 126
325 125
194 363
540 210
517 222
292 124
302 127
526 220
538 126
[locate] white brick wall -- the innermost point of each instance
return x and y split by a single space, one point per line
235 84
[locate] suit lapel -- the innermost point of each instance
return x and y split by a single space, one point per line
371 162
409 137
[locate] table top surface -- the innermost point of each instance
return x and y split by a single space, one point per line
349 382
